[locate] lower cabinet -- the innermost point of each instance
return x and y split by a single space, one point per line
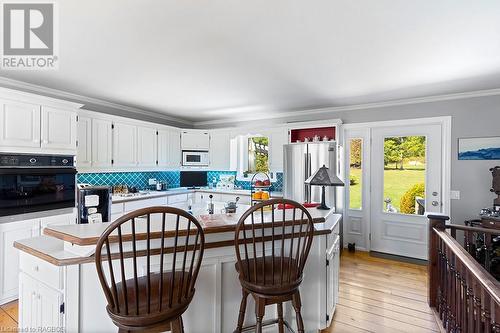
40 306
332 278
9 256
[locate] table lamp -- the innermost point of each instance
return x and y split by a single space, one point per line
324 177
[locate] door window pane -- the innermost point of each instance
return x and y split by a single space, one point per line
355 173
404 175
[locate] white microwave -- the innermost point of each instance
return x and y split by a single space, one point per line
195 158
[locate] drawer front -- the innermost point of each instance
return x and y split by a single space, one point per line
117 208
173 199
41 270
134 205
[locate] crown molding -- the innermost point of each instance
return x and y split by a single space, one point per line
326 110
33 88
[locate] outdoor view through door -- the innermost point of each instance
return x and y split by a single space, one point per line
404 174
406 182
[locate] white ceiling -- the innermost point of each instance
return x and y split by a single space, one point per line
217 59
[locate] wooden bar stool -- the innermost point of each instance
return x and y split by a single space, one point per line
155 301
271 250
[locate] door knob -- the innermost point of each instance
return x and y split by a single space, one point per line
435 203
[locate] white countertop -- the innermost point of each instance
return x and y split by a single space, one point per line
142 195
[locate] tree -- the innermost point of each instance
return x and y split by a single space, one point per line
392 151
355 147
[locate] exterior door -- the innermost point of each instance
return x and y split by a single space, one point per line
406 181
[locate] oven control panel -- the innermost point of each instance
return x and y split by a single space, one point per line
21 160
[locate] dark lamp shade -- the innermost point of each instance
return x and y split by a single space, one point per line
324 177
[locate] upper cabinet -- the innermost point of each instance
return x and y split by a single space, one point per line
58 129
174 154
278 137
102 139
220 143
124 145
20 124
195 140
163 148
169 148
147 146
36 124
84 142
111 143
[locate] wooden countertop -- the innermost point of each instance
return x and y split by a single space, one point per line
88 234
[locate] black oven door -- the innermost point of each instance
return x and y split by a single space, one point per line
26 190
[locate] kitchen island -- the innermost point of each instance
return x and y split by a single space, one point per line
59 285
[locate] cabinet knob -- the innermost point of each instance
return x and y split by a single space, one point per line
36 268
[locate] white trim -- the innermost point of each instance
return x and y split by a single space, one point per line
326 110
17 95
15 84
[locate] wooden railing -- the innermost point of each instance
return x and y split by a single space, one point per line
463 295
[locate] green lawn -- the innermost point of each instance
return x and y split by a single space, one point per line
397 182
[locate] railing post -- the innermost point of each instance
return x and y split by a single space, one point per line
435 222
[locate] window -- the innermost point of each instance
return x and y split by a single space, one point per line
404 175
258 154
355 173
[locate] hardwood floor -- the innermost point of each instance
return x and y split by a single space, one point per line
376 295
381 295
8 317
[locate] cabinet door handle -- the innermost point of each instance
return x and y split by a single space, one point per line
36 268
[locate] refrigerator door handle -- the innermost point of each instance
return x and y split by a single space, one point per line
306 172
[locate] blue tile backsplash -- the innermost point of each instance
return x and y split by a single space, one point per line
132 179
172 178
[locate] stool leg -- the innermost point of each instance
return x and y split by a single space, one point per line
297 305
260 310
281 326
243 308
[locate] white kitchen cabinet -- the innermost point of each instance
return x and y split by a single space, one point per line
9 256
58 129
177 198
124 145
278 137
174 153
195 140
84 142
163 148
102 139
220 143
147 144
332 278
27 301
19 124
41 306
63 219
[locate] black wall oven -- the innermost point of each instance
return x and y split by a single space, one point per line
36 183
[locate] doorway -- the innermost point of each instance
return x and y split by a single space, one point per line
397 172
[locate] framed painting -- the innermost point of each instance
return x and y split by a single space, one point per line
487 148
